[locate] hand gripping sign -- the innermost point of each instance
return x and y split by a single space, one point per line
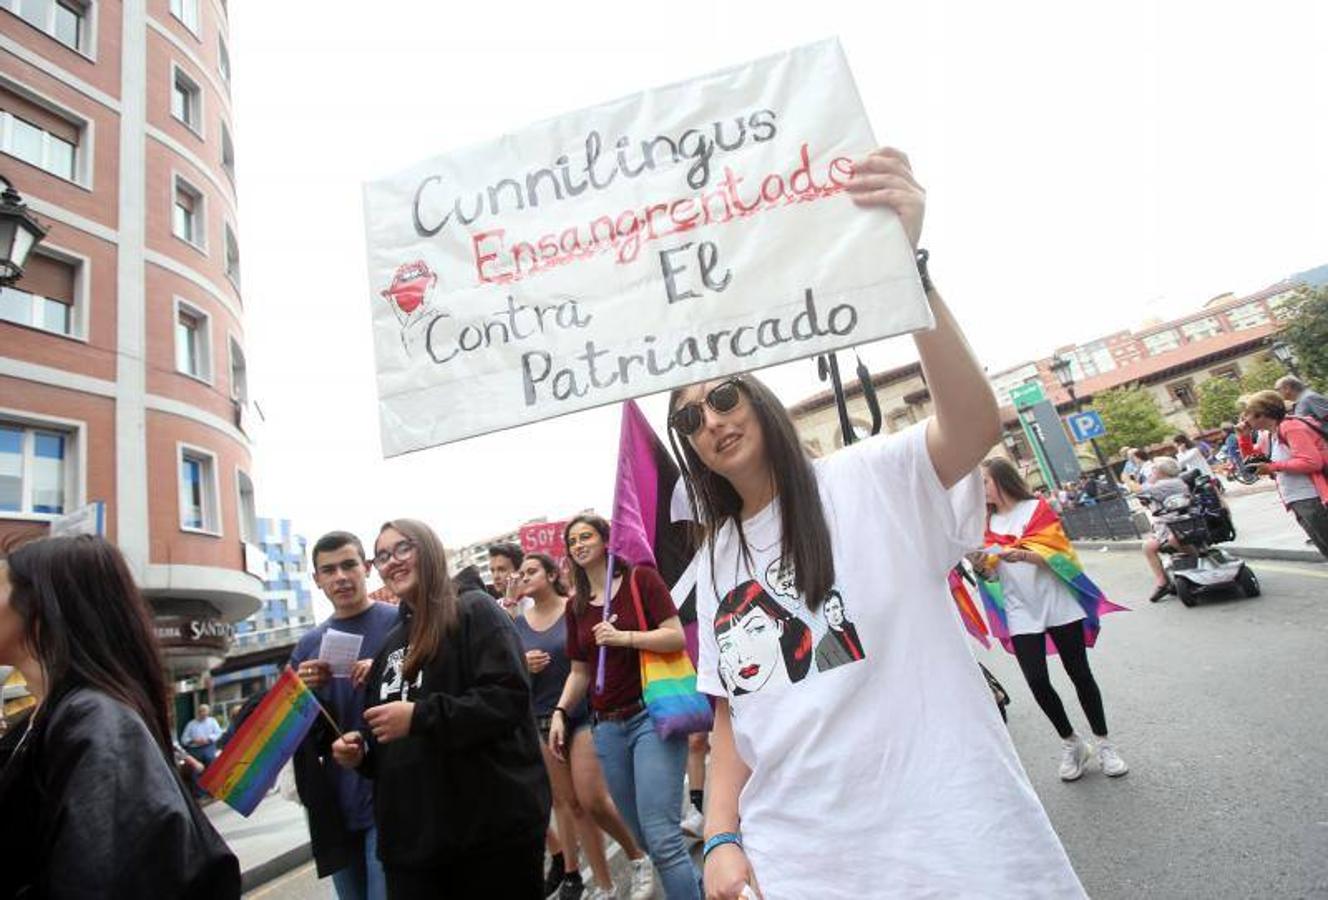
669 237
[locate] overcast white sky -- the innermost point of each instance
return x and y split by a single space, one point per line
1086 169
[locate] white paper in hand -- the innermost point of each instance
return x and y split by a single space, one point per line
340 651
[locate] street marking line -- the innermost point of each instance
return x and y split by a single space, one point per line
1290 570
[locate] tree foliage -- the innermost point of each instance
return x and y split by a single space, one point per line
1307 332
1217 402
1262 376
1131 417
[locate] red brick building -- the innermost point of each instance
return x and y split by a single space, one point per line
122 367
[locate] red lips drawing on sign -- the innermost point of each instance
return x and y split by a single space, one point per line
409 292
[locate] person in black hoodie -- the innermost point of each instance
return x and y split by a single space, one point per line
461 797
91 803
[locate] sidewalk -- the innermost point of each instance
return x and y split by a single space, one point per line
1264 529
271 842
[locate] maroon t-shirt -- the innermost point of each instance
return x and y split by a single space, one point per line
622 679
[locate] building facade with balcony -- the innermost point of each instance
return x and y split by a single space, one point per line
122 362
1223 339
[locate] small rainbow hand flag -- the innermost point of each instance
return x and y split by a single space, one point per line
248 766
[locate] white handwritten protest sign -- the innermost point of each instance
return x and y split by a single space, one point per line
669 237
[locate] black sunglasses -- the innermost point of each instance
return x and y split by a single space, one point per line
722 398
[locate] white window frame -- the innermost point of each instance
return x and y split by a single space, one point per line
1175 336
81 314
87 38
197 28
224 55
83 150
212 525
1213 321
178 74
232 347
227 140
246 535
1241 317
76 473
6 145
228 237
205 349
178 181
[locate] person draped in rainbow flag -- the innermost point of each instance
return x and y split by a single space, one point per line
1039 601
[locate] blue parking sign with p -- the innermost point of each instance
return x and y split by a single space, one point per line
1085 426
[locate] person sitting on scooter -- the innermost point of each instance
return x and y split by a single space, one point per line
1163 483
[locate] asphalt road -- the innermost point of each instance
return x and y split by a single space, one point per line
1222 713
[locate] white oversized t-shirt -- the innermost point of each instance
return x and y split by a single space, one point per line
880 766
1035 598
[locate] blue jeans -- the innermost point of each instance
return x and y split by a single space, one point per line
644 775
363 878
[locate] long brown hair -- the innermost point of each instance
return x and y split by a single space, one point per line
88 625
805 535
580 580
433 602
1007 479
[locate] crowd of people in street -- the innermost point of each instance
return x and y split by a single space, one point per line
486 729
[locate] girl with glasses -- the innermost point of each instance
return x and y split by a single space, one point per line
461 798
864 770
644 771
581 801
91 802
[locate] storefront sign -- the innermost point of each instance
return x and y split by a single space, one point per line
191 633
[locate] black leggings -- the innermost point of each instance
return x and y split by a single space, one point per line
1031 651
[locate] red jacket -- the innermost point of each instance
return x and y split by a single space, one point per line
1309 453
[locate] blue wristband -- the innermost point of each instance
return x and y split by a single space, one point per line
719 840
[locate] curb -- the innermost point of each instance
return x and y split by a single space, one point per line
274 868
1270 553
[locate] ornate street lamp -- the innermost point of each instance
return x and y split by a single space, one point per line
19 233
1060 367
1283 353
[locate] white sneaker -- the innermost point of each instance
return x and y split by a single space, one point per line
643 879
599 893
1075 754
1112 764
693 824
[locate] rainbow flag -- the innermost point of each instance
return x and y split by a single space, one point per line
968 610
1045 536
246 769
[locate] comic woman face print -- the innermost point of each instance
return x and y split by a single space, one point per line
759 640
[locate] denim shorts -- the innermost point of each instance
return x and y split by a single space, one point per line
574 724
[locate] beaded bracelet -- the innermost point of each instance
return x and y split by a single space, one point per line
719 840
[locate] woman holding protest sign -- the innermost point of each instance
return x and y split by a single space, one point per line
461 799
644 771
865 726
581 801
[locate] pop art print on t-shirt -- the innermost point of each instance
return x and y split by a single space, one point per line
770 636
393 680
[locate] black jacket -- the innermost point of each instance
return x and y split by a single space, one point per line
90 807
469 777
